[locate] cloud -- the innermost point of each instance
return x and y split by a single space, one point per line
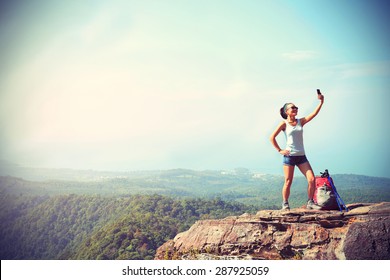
300 55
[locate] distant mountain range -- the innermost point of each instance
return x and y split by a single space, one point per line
240 185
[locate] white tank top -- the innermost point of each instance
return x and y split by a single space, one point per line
294 139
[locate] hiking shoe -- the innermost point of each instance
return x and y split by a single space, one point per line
285 206
311 205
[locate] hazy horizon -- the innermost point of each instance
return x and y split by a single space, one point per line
238 169
150 85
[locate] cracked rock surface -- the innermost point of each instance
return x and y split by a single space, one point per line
361 233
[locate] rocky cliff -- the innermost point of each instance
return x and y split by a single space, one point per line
361 233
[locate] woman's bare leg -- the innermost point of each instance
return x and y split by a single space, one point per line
307 171
288 178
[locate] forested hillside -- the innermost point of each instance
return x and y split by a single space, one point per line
130 216
95 227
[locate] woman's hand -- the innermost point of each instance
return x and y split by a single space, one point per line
284 152
320 97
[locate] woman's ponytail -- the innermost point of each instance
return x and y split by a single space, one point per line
283 111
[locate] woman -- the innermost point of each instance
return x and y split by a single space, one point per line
294 153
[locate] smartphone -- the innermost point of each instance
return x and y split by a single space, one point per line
318 91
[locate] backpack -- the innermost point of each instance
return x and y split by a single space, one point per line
324 194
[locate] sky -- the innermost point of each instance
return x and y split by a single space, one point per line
133 85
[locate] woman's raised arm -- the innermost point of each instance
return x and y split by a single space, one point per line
308 118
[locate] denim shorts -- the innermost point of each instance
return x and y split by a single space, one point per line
294 160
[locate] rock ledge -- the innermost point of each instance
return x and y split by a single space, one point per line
361 233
